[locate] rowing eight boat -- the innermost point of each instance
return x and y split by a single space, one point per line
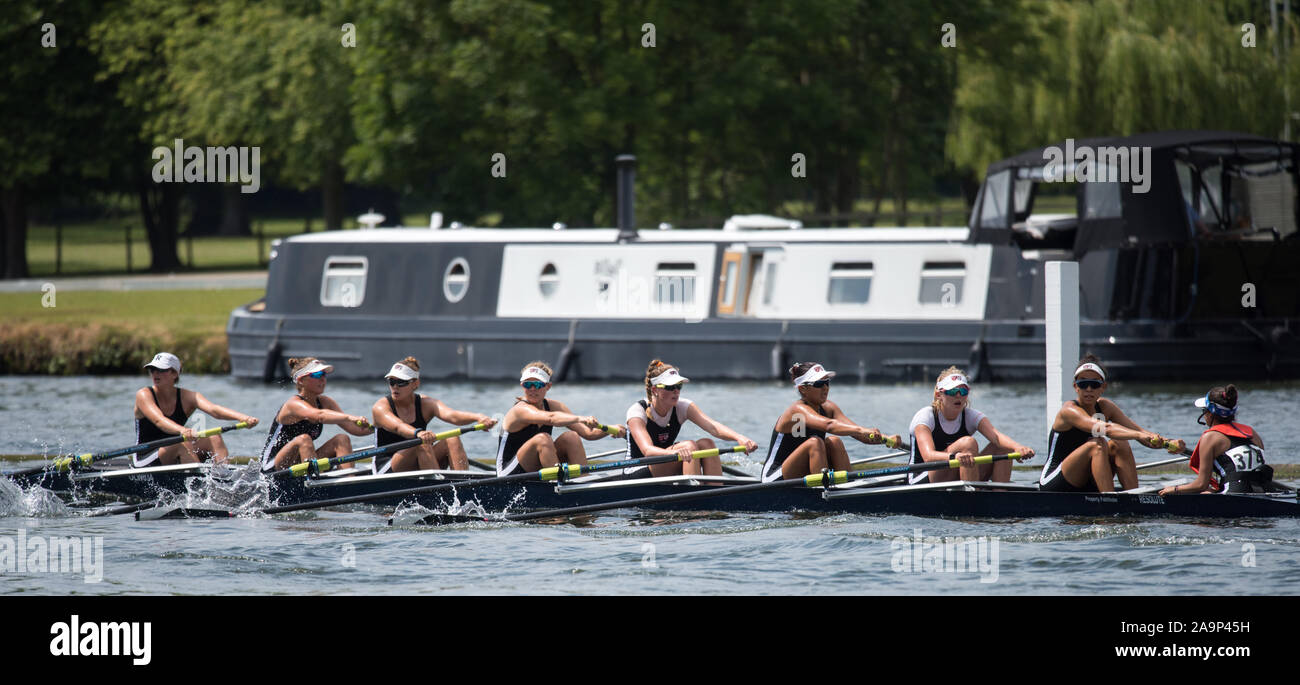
872 496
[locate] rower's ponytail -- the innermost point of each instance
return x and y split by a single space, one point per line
296 363
411 362
1224 397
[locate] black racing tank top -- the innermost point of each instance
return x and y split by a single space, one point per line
942 439
782 445
509 443
1059 446
146 431
660 436
281 434
385 437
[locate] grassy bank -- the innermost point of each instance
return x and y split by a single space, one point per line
104 332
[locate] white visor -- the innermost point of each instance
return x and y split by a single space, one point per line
669 377
312 367
535 373
1090 367
952 380
816 373
163 361
403 372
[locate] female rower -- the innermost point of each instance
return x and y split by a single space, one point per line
299 421
405 414
800 444
526 443
1234 449
153 422
1088 447
946 430
653 425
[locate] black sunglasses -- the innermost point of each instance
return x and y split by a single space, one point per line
394 383
671 388
819 384
1088 384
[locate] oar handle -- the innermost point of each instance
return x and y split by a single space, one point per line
1172 447
71 462
574 470
817 480
612 430
325 464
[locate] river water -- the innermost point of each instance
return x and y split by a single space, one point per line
356 552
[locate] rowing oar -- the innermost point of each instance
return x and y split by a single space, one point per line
546 474
1173 448
729 470
327 463
815 480
71 462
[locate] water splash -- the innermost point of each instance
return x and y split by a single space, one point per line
33 502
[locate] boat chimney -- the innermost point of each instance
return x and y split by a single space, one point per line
626 197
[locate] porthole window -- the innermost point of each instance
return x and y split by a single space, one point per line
455 281
549 280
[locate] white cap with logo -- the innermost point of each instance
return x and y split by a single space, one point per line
669 378
814 374
535 373
952 380
312 367
163 361
402 372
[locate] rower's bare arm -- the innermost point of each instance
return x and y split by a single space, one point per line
215 410
1002 441
147 407
330 412
923 440
460 418
1117 416
717 430
385 418
584 426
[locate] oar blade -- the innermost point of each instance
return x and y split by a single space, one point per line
182 512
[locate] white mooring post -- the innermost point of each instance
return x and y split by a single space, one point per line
1061 312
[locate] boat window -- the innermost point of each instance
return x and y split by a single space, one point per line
549 281
993 213
1024 191
1101 201
769 283
850 283
675 283
729 283
343 282
941 283
455 280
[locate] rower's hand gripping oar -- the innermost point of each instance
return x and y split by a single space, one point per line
328 463
553 473
816 480
76 461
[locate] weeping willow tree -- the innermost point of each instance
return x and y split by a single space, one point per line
1118 67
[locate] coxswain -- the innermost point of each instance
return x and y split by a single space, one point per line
800 444
405 414
526 443
654 423
946 430
153 421
299 421
1234 451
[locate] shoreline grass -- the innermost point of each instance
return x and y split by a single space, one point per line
111 332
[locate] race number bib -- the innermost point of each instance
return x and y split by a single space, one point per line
1246 457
